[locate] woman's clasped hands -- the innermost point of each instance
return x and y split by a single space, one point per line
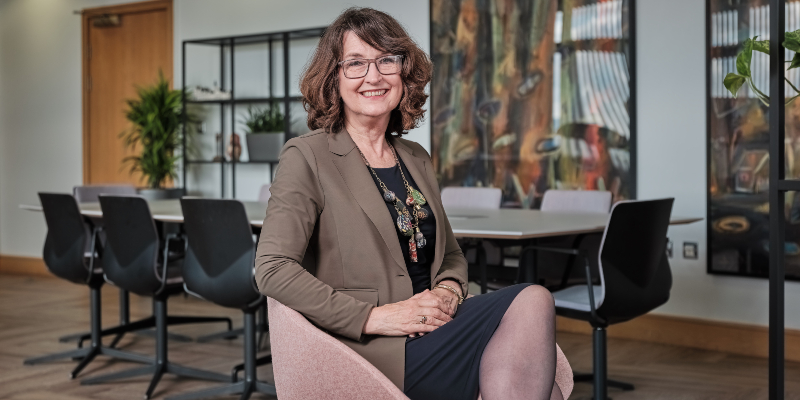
422 313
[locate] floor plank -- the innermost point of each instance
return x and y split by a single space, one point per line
35 311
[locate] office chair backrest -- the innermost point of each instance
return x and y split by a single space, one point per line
66 237
471 197
594 201
91 193
130 258
221 254
264 194
635 273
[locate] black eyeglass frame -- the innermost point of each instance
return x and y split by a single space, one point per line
370 61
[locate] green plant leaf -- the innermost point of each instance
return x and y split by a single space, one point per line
761 45
733 82
791 40
795 61
744 58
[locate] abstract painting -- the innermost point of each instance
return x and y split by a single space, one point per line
531 95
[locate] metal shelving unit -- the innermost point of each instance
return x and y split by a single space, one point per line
229 106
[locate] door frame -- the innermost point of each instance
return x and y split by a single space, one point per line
86 15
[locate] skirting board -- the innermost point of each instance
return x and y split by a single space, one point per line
19 265
728 337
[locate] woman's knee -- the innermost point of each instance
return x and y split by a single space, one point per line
538 296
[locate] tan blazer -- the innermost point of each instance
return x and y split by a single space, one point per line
329 248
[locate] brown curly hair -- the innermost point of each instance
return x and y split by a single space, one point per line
320 80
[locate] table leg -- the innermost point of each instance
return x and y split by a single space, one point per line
527 263
480 255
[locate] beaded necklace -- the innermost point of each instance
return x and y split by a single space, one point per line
407 222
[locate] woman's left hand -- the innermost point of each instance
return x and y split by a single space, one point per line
448 301
448 298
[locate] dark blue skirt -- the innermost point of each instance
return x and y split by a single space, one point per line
445 363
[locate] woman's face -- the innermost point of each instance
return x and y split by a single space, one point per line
374 95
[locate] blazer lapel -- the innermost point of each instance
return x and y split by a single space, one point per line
356 176
421 171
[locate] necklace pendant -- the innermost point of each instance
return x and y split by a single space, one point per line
409 201
404 224
389 196
422 214
412 249
420 239
418 197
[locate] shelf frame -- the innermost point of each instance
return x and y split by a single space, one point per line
229 105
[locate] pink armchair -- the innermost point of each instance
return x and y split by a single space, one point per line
310 364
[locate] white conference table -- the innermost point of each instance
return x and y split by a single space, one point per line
505 223
520 226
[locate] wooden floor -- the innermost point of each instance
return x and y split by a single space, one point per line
36 311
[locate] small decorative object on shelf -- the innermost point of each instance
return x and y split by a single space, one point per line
266 136
202 93
218 140
234 150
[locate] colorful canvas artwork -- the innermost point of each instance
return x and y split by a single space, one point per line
531 95
738 144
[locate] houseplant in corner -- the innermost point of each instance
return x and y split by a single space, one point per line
266 132
156 117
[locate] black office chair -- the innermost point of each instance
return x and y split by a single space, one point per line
634 278
137 260
91 194
219 268
66 257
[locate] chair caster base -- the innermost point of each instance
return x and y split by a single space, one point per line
158 371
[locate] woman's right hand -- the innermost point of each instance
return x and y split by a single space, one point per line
403 318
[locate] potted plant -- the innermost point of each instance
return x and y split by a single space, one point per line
156 117
266 132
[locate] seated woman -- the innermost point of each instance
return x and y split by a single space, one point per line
356 238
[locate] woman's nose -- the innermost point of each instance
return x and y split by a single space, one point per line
373 75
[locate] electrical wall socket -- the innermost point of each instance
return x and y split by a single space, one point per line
669 248
690 250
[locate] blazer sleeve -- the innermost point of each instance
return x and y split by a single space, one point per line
292 213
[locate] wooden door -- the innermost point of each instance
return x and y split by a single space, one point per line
123 46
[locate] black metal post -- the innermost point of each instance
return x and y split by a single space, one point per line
233 126
185 118
599 363
222 120
632 100
777 221
287 124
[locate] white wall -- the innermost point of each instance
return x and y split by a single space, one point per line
41 105
40 118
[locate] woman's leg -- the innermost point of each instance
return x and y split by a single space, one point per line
519 361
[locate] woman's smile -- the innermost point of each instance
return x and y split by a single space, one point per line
375 93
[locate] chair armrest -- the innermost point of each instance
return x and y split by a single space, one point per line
165 259
93 250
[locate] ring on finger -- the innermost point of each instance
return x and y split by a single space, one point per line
423 320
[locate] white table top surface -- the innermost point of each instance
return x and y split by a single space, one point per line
503 223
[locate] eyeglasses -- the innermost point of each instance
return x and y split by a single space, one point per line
359 67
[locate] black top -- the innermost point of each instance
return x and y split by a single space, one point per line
420 271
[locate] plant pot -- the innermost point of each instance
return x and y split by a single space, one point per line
265 146
160 194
